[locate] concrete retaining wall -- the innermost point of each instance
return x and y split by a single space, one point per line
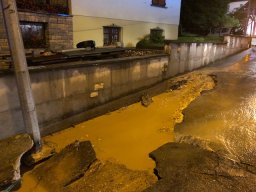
68 93
61 92
189 56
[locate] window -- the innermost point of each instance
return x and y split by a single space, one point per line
33 34
157 35
111 35
158 3
156 32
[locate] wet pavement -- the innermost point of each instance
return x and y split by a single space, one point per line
184 167
227 114
215 148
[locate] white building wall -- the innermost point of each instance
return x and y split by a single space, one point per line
236 5
135 17
136 10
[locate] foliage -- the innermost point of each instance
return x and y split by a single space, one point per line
156 36
241 15
153 41
200 16
199 39
227 21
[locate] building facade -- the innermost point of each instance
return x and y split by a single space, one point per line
124 21
234 6
45 24
61 24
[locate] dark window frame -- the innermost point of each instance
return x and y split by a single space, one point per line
157 31
110 33
159 3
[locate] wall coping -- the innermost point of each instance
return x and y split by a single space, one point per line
168 41
178 43
237 36
79 64
42 13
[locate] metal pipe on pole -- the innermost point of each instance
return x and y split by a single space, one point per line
16 46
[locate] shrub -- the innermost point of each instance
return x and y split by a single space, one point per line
153 41
156 36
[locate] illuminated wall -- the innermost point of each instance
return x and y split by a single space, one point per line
233 6
251 29
136 18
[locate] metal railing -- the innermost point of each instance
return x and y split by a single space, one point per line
46 6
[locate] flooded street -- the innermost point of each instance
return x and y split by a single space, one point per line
124 138
200 134
128 135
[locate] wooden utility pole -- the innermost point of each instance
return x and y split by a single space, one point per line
16 46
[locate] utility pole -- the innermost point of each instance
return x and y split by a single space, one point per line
16 47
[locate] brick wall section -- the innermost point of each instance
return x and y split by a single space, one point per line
59 30
3 37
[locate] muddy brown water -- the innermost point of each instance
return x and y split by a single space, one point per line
227 114
128 135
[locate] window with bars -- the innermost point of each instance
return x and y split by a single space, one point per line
33 34
159 3
111 35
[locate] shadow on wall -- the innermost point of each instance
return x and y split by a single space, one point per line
10 113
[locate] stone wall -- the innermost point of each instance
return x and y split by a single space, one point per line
3 37
59 30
